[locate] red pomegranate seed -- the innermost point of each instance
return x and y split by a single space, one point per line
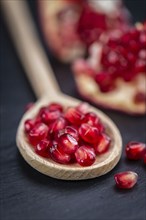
85 155
42 148
55 106
74 116
83 107
57 125
105 82
144 158
50 116
91 119
72 131
29 106
103 144
28 125
135 150
38 133
58 155
88 133
126 180
140 97
67 143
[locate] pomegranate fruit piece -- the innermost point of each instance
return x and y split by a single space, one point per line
42 148
103 144
38 133
88 133
85 155
58 155
126 180
74 116
50 116
67 143
135 150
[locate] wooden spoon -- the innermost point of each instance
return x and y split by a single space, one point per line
47 90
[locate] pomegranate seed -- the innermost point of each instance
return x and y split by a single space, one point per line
67 143
135 150
50 116
83 107
55 106
39 132
72 131
91 119
59 124
28 125
88 133
58 155
126 180
105 81
85 155
144 159
74 116
29 106
103 144
42 148
140 97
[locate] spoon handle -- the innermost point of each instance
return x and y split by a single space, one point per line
33 58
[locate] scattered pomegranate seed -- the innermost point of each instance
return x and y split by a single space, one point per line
135 150
50 116
67 143
126 180
74 116
58 155
85 155
88 133
38 133
43 148
58 134
103 144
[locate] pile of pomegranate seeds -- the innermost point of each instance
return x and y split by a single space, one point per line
67 135
123 57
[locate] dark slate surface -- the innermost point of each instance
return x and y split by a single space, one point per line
29 195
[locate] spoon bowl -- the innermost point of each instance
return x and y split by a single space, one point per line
103 164
45 86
